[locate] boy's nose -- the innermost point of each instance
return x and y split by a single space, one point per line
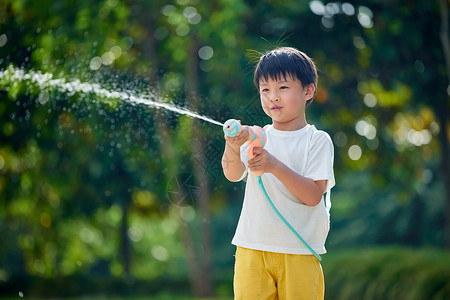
274 97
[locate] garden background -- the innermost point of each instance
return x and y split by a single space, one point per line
102 197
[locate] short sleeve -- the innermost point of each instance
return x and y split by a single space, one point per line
319 165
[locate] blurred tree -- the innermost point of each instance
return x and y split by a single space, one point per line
443 113
81 142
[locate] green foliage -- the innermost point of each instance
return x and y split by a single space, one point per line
387 273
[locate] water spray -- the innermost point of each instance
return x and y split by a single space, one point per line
46 81
257 138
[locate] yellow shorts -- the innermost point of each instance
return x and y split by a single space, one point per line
261 275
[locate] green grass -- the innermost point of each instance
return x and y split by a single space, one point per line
387 273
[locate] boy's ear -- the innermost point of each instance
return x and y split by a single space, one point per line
310 90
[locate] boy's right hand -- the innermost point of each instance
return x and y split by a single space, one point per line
237 141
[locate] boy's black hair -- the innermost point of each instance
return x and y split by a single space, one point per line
284 61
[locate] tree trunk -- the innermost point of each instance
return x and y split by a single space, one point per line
201 179
443 118
194 268
124 200
200 282
125 247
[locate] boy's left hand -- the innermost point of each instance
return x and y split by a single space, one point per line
262 162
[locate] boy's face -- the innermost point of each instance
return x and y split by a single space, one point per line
284 101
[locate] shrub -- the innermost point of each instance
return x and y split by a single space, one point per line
387 273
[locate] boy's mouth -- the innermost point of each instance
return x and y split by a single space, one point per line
275 108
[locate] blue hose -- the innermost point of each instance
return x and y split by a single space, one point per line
261 185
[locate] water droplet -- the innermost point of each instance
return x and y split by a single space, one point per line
354 152
317 7
205 52
348 9
43 97
182 30
116 51
95 63
3 40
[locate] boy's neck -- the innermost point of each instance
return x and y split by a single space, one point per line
292 125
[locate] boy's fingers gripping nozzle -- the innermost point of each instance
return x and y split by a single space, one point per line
231 128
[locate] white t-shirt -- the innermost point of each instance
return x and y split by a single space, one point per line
310 153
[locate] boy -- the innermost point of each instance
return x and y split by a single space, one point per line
297 161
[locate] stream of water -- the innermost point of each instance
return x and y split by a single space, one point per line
46 81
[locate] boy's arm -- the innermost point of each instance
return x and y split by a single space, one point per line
304 189
232 166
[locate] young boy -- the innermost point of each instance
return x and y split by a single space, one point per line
297 161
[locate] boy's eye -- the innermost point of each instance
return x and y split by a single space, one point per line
283 87
264 90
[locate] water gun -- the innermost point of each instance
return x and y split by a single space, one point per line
257 138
